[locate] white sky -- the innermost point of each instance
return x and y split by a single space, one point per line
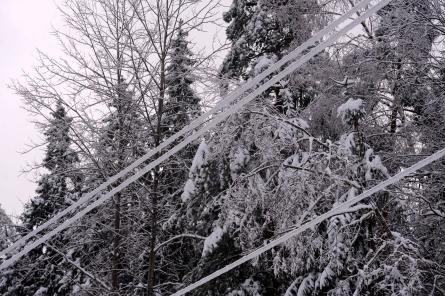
24 26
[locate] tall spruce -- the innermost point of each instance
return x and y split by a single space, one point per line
43 271
182 104
55 187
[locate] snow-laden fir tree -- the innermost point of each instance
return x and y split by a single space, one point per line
354 253
43 270
55 187
182 103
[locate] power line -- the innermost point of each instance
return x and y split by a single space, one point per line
340 209
216 120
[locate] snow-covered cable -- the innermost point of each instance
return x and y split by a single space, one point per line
216 120
342 208
224 102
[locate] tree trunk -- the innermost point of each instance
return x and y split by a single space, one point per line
116 243
153 224
155 193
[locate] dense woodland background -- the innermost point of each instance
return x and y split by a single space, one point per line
364 109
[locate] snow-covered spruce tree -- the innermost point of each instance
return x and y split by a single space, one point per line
54 188
43 270
182 104
354 253
261 32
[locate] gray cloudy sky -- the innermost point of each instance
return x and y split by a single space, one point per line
24 26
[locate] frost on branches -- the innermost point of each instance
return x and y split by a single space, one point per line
280 177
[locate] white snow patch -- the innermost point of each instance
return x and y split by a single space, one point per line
189 188
212 240
346 144
374 164
200 157
262 63
198 161
248 288
352 107
41 292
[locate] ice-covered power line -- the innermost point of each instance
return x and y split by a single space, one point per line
340 209
219 117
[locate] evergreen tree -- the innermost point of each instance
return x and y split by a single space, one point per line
43 271
54 191
344 255
182 104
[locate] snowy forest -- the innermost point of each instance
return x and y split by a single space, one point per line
132 74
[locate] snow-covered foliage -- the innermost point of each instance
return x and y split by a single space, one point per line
197 172
364 109
262 63
212 241
182 104
351 111
40 274
248 288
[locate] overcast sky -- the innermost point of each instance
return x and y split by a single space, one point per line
24 26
